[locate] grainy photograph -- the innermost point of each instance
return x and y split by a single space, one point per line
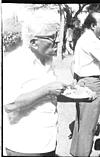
51 79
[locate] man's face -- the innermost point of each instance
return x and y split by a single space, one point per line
43 49
97 26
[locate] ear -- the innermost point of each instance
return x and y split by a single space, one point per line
93 26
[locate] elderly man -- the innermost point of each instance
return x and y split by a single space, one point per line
87 72
30 101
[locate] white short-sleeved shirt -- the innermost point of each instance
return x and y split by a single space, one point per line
36 131
87 55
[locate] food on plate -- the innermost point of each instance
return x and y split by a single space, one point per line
79 92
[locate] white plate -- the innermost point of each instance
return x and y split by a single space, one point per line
79 93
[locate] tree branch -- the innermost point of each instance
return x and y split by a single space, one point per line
80 10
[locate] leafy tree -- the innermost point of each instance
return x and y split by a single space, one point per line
67 16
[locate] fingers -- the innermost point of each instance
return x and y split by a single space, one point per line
57 88
60 91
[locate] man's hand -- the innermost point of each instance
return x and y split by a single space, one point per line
56 88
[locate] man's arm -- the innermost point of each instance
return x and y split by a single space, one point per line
33 97
27 99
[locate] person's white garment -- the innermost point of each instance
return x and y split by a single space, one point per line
36 131
87 63
69 41
87 55
69 34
